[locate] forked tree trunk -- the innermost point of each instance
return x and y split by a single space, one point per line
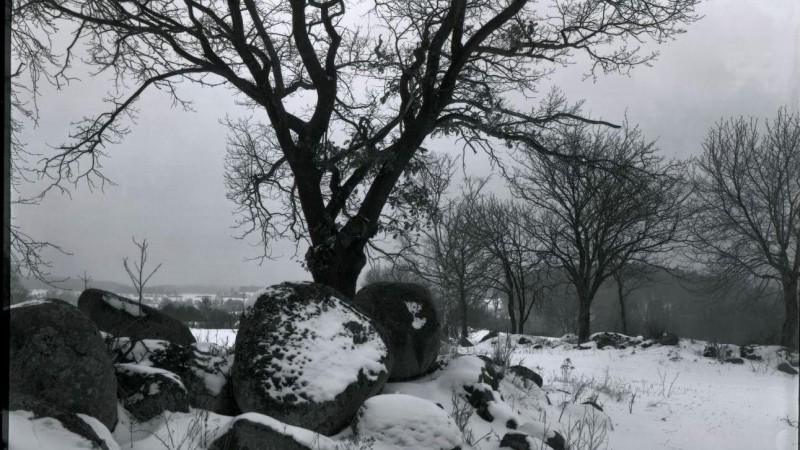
338 268
789 329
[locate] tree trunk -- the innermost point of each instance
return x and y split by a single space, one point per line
512 314
339 268
584 317
621 296
790 300
463 300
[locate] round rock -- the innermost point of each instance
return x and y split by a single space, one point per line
407 313
58 357
307 358
121 316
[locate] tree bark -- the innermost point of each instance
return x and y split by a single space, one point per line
790 300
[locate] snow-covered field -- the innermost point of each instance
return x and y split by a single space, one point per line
661 397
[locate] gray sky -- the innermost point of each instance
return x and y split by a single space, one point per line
742 58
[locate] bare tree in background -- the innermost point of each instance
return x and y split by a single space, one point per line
349 93
629 277
747 206
137 273
517 270
622 204
86 279
447 255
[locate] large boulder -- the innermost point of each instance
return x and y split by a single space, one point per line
46 426
407 313
146 392
56 355
307 358
668 339
399 422
253 431
121 316
204 369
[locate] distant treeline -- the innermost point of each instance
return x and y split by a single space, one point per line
209 312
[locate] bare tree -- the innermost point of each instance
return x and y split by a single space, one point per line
86 279
517 270
29 60
447 255
622 204
747 206
137 273
629 277
350 95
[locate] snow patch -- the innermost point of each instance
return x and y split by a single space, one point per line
277 292
415 308
399 421
30 303
45 433
137 369
123 304
101 431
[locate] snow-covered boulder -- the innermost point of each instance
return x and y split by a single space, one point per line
407 312
34 424
307 358
121 316
56 355
253 431
398 422
147 392
204 369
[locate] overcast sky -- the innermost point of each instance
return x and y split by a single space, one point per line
742 58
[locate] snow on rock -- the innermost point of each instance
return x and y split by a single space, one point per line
409 321
415 308
124 304
203 369
398 422
123 317
34 302
26 432
307 358
137 369
101 431
148 391
253 431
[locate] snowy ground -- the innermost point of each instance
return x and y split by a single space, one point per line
683 400
660 397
